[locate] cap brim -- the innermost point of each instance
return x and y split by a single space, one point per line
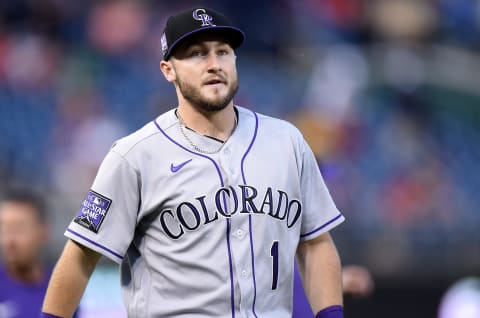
234 36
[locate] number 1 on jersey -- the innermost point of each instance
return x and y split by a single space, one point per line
274 254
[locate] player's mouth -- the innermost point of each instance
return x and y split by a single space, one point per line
215 82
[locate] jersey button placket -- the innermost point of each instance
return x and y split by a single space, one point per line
241 253
227 159
240 233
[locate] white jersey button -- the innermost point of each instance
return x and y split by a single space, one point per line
244 273
240 233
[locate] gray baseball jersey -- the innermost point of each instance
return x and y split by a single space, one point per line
206 235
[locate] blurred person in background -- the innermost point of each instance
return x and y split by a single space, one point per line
23 236
357 283
83 118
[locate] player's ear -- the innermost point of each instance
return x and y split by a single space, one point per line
168 70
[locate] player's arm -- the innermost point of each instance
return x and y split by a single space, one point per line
69 279
320 268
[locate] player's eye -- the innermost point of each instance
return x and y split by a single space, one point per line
225 53
196 53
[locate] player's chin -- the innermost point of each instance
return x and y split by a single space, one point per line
215 91
216 98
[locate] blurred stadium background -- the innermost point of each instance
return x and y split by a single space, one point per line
387 92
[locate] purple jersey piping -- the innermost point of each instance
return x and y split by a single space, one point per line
323 226
96 244
232 288
250 216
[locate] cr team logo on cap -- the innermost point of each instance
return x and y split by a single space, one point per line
201 15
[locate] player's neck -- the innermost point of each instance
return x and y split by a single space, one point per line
218 125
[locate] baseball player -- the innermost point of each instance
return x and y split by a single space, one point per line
206 206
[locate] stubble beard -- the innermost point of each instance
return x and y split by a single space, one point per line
201 102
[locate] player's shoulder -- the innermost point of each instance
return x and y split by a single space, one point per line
274 125
139 138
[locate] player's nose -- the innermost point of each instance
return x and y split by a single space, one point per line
213 62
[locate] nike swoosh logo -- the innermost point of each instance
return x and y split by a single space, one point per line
174 168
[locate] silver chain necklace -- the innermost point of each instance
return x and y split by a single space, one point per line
182 127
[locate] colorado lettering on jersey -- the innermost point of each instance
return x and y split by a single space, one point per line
228 201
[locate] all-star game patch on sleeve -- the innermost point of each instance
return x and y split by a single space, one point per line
93 211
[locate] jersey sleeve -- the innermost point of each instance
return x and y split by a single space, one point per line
320 212
107 217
